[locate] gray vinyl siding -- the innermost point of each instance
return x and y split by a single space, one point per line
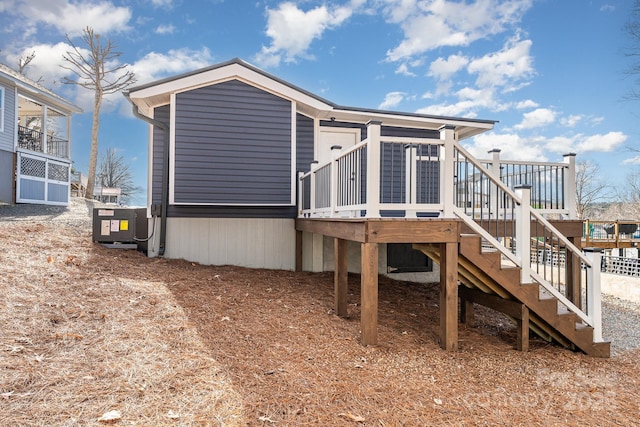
232 146
304 143
9 110
6 176
408 132
161 114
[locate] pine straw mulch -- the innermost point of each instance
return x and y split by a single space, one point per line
87 331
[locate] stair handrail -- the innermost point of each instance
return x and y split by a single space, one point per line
506 252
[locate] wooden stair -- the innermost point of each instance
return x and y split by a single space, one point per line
483 270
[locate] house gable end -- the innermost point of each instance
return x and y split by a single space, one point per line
232 146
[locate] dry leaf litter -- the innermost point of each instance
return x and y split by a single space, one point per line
96 336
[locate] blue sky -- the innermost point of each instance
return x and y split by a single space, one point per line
551 72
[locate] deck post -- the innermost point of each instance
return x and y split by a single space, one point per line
594 296
449 296
573 274
569 187
340 276
495 170
447 191
333 192
411 178
312 189
373 169
523 232
369 293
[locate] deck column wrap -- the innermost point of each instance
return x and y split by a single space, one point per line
523 232
495 170
373 169
570 185
447 193
335 153
594 295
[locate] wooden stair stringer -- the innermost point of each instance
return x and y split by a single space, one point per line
486 284
563 327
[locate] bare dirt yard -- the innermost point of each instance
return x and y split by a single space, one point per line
96 336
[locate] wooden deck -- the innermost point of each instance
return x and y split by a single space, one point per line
445 233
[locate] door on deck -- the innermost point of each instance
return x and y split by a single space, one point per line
350 192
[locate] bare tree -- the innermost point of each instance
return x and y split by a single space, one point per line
95 71
23 62
589 188
630 198
114 172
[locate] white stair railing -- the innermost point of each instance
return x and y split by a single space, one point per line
486 200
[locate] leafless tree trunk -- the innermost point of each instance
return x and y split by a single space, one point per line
91 73
589 188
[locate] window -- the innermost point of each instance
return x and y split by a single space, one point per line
1 109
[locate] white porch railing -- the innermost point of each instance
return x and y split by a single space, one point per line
420 177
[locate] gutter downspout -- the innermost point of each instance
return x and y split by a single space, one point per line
165 170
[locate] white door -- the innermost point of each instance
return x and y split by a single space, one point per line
345 137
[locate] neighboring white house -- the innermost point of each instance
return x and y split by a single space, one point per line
35 147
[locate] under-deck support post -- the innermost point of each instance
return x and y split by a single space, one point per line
449 296
369 293
340 276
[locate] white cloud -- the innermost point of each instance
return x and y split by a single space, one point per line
607 142
526 104
72 17
632 161
581 143
470 100
47 62
537 118
444 68
292 31
162 3
428 25
512 146
403 69
391 100
165 29
511 64
156 65
571 121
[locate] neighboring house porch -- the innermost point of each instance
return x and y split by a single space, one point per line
35 127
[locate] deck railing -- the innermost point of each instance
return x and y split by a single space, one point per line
34 140
552 184
409 177
613 232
